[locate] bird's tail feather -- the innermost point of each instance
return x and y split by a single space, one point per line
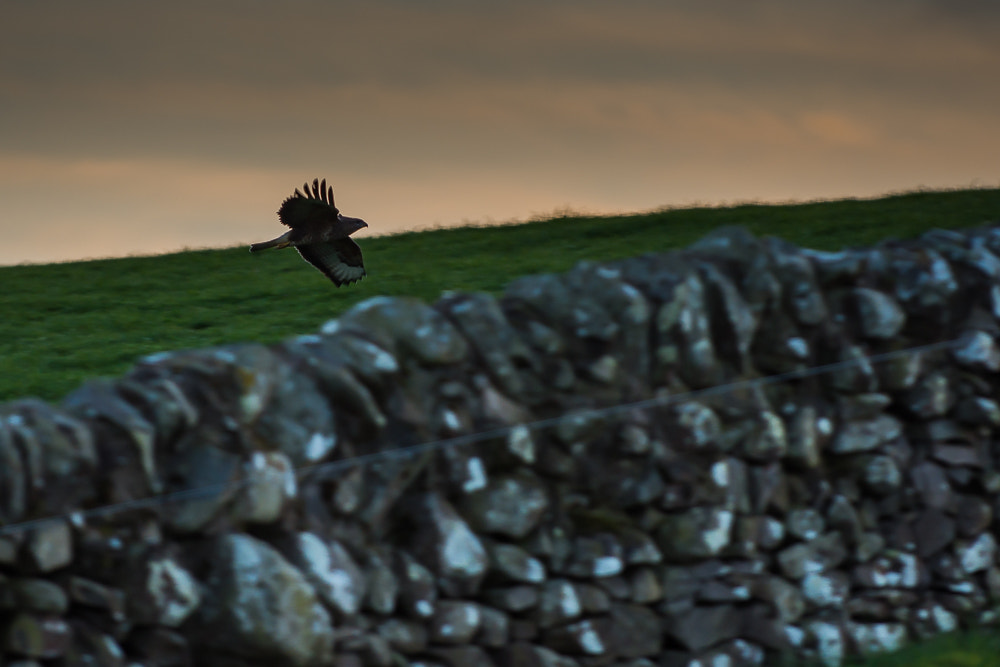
280 242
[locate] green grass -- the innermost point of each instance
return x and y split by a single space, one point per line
63 323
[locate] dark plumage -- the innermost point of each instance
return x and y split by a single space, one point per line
320 233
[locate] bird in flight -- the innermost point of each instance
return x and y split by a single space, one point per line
320 233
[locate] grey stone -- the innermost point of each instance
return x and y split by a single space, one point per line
327 565
931 397
697 424
882 475
805 437
879 314
262 607
893 570
932 485
558 603
405 636
494 628
39 596
454 622
595 557
784 598
163 593
818 555
585 637
479 317
49 547
866 435
871 638
701 627
513 564
826 589
447 545
933 531
697 533
413 583
978 554
513 599
510 506
829 640
805 524
268 485
32 636
404 325
978 349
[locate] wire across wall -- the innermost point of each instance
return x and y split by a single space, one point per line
329 468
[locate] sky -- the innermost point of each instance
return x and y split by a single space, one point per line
132 127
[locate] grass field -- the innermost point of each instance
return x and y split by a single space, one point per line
63 323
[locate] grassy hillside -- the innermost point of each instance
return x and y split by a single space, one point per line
62 323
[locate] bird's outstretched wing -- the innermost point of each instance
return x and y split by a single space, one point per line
339 260
315 207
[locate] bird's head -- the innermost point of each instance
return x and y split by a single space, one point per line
353 224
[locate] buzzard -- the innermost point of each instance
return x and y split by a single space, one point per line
320 233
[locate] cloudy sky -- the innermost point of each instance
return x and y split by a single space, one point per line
134 127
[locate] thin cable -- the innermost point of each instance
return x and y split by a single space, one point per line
471 438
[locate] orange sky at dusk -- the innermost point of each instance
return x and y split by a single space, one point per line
133 128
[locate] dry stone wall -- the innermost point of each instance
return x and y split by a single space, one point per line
768 485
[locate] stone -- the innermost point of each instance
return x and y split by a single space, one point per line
697 533
933 531
929 619
510 506
404 325
784 598
49 547
978 554
90 593
879 314
806 524
866 435
259 606
893 570
457 656
447 545
805 437
702 627
269 484
511 563
382 586
973 515
479 317
494 628
407 637
454 622
871 638
585 637
826 589
978 349
327 565
882 475
513 599
932 485
38 596
819 555
768 439
415 586
42 637
558 603
595 556
829 640
165 593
